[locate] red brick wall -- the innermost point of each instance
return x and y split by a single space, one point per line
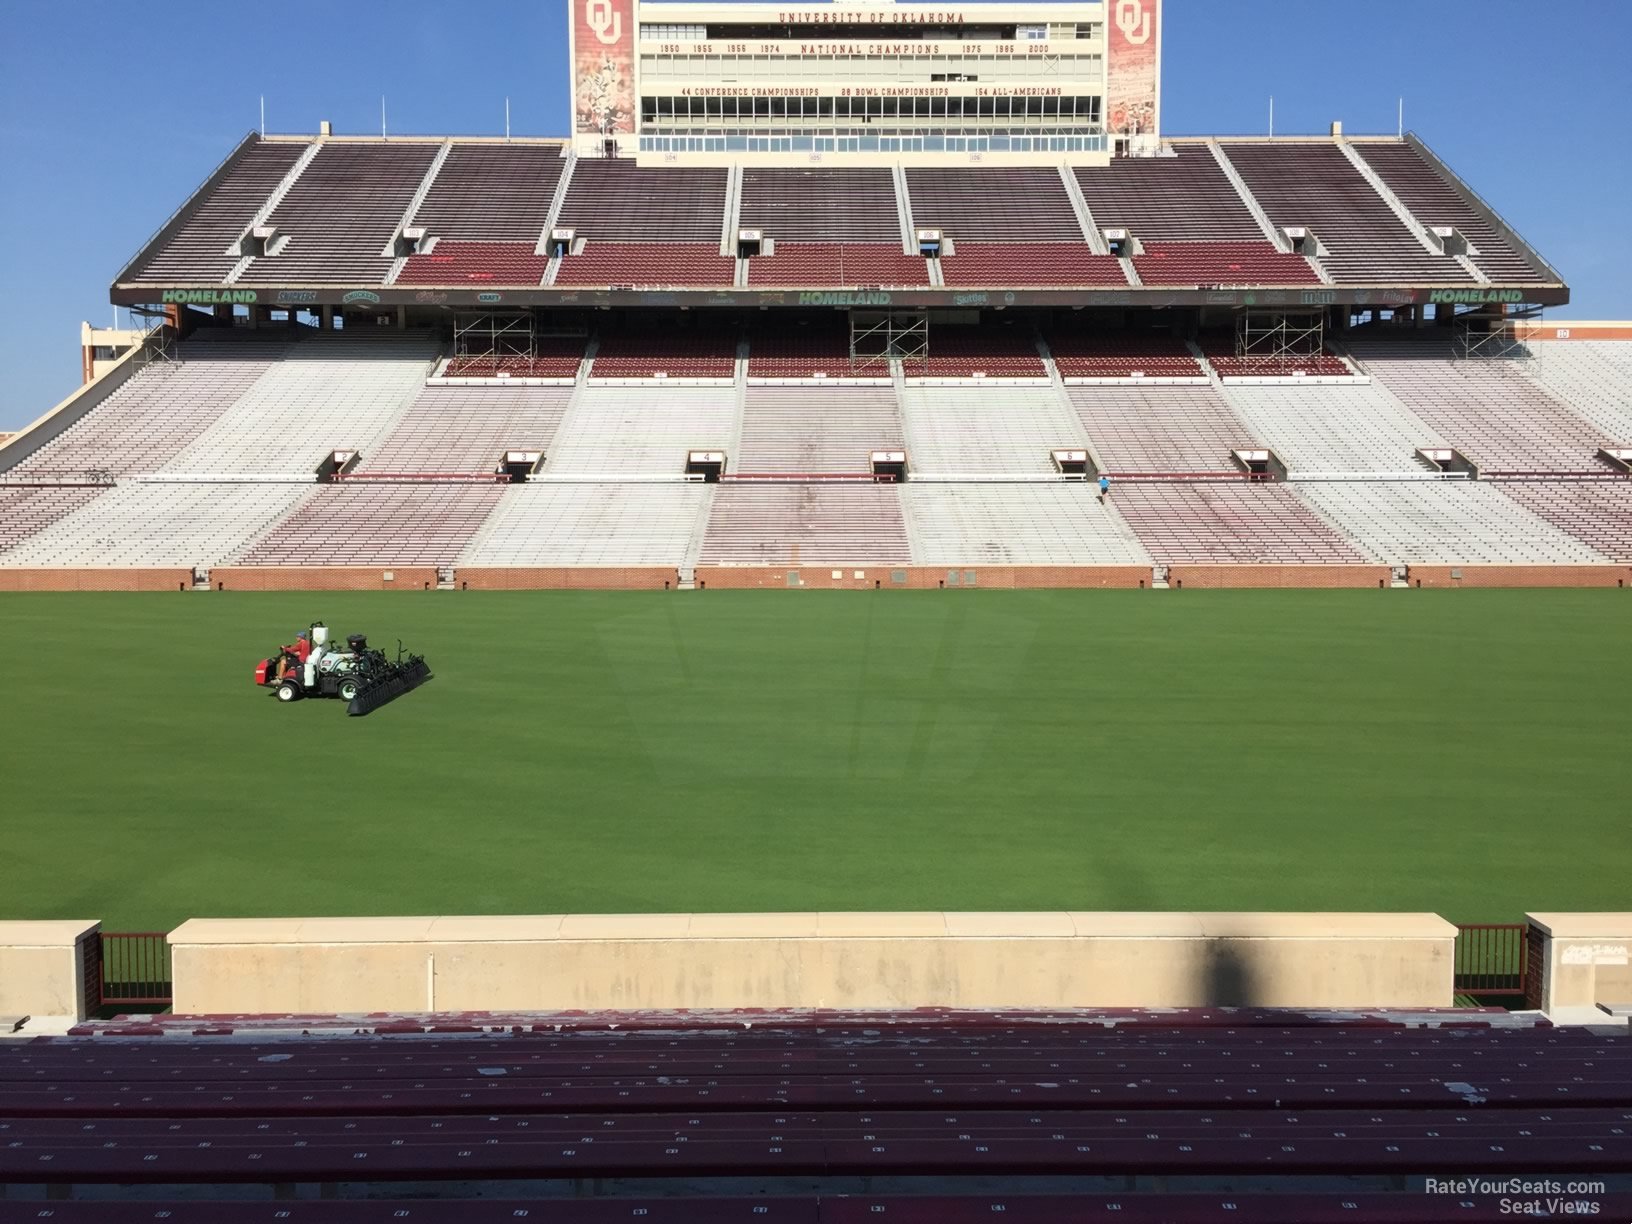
596 578
1279 575
919 578
1520 575
95 579
322 578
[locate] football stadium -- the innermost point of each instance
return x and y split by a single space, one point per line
862 634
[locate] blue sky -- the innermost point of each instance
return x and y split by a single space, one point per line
110 115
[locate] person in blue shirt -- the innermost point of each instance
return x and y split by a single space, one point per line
1104 487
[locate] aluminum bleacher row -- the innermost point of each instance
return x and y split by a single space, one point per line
336 206
714 1106
211 460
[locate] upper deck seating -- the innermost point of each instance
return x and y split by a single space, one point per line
697 352
1434 201
1232 523
1185 198
458 263
1221 263
846 265
1002 350
1012 204
1485 408
1161 429
342 213
1314 185
821 205
492 193
647 264
1000 265
1082 354
199 247
613 200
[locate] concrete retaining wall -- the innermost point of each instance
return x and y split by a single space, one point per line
323 578
583 578
1520 575
42 967
1317 576
1584 959
805 960
921 578
95 579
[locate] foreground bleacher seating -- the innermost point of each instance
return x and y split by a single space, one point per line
1083 354
808 349
368 523
1161 429
791 522
1485 408
1596 512
1305 1106
977 523
1000 351
1230 523
817 429
594 524
467 429
698 352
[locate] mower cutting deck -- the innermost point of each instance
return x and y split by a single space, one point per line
360 676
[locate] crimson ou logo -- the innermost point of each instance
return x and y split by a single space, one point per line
603 22
1133 19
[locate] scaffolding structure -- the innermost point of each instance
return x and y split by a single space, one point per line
1274 339
159 344
503 339
1489 334
879 336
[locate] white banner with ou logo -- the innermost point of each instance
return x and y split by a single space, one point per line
1134 64
603 66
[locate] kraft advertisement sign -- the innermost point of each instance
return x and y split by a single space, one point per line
603 66
1134 36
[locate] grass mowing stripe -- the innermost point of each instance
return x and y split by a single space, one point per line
1348 750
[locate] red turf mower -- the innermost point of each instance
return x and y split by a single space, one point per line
361 677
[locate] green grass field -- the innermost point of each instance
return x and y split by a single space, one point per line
1463 752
